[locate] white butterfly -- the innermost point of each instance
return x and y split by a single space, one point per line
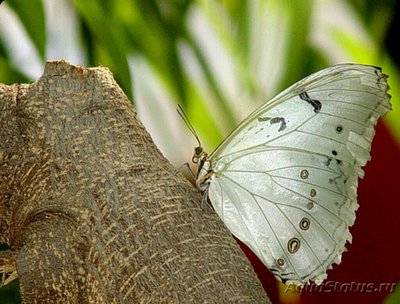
285 180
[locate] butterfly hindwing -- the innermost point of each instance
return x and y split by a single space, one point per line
285 180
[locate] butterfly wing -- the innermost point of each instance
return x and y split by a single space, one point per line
285 181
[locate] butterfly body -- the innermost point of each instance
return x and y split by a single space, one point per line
285 180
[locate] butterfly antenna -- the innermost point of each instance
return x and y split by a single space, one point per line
182 114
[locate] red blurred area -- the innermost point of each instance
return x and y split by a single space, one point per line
373 257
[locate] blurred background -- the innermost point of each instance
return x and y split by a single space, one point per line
220 60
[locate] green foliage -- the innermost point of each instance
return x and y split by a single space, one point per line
394 297
31 15
8 74
9 294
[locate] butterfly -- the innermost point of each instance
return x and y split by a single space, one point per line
285 180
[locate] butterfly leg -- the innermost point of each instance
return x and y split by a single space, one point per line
186 165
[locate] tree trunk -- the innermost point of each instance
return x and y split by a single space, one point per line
94 213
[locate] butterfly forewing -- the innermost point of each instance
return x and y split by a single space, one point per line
285 180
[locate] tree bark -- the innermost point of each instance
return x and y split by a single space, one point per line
94 213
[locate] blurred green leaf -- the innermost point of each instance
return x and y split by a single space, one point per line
299 58
375 15
166 32
31 14
109 43
393 117
354 46
8 74
394 297
9 294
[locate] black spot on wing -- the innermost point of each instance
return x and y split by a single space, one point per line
280 120
274 120
315 103
328 162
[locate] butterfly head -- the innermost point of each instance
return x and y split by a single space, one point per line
199 155
203 171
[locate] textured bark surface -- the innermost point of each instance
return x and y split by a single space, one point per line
94 213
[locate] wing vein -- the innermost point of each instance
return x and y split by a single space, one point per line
349 90
282 168
283 213
272 202
344 118
253 195
268 141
